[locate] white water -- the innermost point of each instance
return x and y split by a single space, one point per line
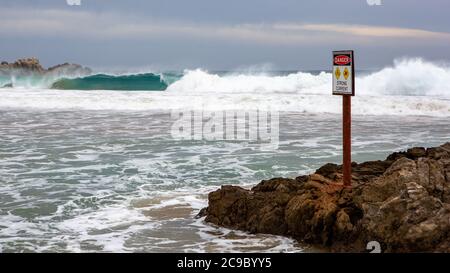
408 77
144 101
115 180
409 87
84 181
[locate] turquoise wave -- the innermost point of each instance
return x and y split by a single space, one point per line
145 81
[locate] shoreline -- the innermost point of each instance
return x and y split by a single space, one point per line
402 203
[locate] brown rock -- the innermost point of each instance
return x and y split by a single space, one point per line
416 152
31 66
402 202
328 170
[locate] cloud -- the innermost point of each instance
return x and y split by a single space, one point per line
92 25
367 31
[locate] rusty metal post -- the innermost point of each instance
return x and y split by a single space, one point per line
347 140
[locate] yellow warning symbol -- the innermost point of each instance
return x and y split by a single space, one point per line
346 73
337 73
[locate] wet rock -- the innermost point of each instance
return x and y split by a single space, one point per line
328 170
406 207
402 202
416 152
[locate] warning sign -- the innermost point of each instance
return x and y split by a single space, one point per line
337 73
343 73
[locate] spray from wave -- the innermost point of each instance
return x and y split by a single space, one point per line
409 87
414 77
199 81
407 77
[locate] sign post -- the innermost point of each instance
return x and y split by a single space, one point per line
344 85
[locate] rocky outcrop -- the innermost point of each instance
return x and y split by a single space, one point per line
402 202
31 66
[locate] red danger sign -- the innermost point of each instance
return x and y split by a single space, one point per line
343 73
342 60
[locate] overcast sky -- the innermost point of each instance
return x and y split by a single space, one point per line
223 35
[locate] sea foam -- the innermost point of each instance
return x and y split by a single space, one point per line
409 87
406 77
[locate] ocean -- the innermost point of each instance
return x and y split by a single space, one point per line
91 164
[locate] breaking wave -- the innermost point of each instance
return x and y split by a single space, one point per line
406 77
127 82
409 87
147 81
